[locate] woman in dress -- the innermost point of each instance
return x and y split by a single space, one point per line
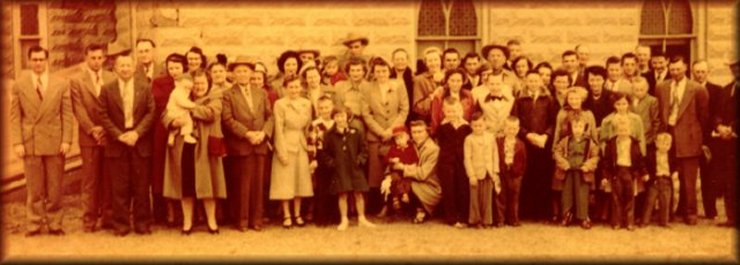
195 171
453 82
162 86
291 176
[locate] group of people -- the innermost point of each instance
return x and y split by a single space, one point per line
467 137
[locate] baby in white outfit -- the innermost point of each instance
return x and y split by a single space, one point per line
179 106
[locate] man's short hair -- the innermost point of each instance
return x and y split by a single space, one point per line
612 60
93 47
596 70
569 53
561 72
150 41
628 56
37 48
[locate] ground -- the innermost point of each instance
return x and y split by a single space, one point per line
399 240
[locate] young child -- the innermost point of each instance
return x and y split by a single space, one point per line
179 105
661 166
343 151
450 164
322 206
624 167
401 151
576 157
512 164
330 72
481 166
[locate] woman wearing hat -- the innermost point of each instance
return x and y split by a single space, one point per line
288 64
194 171
162 86
247 122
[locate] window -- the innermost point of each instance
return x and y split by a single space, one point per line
448 24
668 26
30 31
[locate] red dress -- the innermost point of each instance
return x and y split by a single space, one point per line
162 86
406 156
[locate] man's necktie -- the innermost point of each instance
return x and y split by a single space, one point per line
39 86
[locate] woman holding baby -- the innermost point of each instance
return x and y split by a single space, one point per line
194 170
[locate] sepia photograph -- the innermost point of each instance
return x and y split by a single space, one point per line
399 131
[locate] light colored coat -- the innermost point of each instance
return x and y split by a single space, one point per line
649 110
425 183
41 126
293 179
209 170
379 117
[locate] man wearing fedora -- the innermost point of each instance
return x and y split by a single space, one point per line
497 57
247 120
355 44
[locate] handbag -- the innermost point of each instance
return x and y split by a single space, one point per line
216 146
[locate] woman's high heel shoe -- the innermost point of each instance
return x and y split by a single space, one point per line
299 221
287 223
213 231
186 232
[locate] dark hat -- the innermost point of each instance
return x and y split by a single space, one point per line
241 60
486 49
353 36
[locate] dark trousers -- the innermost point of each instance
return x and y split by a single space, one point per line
724 164
710 178
623 198
44 191
508 201
326 210
455 191
575 192
687 173
249 171
661 190
536 184
226 213
95 192
130 182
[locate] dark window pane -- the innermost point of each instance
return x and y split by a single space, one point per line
463 20
431 18
652 19
25 46
29 19
681 21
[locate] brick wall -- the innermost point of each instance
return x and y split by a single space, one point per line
721 39
264 30
7 41
73 25
546 29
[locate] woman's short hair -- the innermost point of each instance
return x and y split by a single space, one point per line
202 73
199 51
285 56
177 58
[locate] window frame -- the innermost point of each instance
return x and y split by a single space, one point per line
478 39
693 38
42 36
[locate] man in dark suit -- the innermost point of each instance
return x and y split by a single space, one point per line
684 109
85 86
571 65
127 114
725 131
658 72
41 134
708 177
146 67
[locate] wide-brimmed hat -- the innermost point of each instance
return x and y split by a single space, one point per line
241 60
315 52
353 36
487 49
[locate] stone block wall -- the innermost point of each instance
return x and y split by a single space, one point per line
263 30
721 39
72 25
7 41
546 29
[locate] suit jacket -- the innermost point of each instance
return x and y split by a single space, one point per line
159 69
238 119
408 81
601 107
85 103
652 80
519 164
379 117
649 110
715 104
727 110
693 112
41 126
651 162
424 87
113 119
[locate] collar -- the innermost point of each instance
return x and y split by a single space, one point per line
681 83
44 76
527 93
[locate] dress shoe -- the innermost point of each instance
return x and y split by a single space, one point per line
56 232
257 228
567 218
727 224
586 224
299 221
615 227
630 228
213 231
120 233
143 231
691 220
516 224
186 232
33 233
